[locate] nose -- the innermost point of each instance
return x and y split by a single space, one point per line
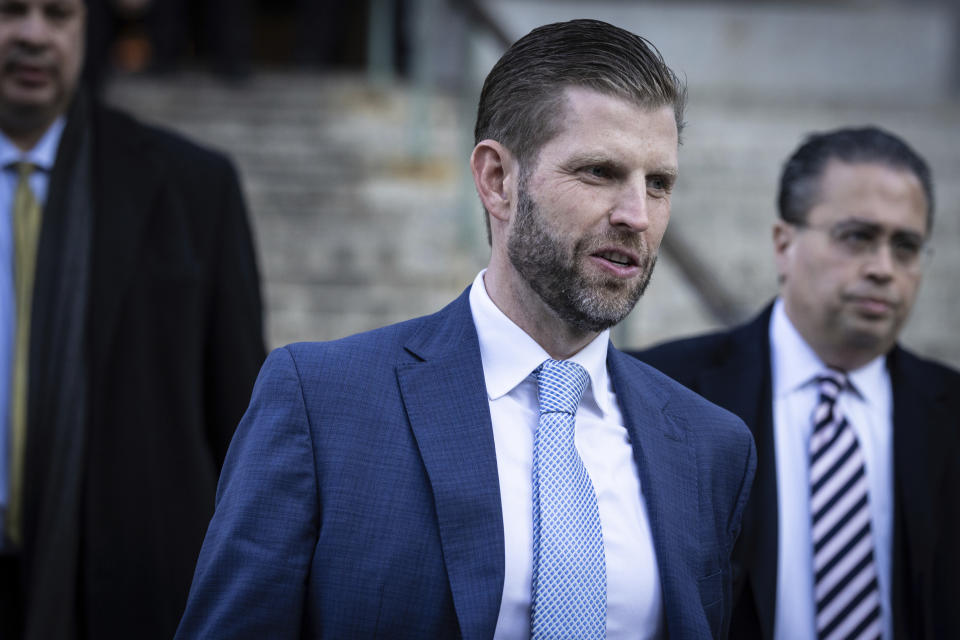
630 209
32 28
880 263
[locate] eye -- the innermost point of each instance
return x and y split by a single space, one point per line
906 248
855 239
12 9
658 183
59 12
597 172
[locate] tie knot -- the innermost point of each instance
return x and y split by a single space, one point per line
561 384
831 382
23 169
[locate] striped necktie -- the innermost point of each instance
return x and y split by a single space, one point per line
26 235
846 591
569 571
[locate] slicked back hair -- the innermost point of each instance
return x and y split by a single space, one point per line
521 103
802 173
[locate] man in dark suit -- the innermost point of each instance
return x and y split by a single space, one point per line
853 520
497 469
132 335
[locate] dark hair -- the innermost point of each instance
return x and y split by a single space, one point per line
522 96
800 180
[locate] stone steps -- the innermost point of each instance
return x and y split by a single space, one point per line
365 212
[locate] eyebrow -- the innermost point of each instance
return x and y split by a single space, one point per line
589 158
877 227
669 172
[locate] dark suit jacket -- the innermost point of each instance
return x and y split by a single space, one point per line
360 496
732 369
172 346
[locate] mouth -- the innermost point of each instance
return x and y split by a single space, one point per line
617 257
873 307
621 263
29 74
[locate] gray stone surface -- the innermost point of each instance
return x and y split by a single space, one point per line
365 212
352 187
854 51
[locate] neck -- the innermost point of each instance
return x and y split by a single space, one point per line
25 131
25 142
525 308
846 355
845 360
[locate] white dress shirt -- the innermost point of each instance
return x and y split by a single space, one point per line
634 599
868 409
42 155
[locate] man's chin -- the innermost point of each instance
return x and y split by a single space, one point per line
598 313
874 337
22 116
584 323
28 96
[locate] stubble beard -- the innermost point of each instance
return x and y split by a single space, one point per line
552 269
34 117
865 337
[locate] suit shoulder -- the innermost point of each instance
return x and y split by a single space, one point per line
689 406
930 367
936 378
377 349
686 356
167 142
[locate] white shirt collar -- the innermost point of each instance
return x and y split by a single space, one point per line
509 354
43 154
795 364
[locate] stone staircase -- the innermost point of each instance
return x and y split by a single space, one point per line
365 213
356 228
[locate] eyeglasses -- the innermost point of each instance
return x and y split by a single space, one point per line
858 239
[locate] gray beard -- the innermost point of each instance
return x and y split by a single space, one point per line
550 269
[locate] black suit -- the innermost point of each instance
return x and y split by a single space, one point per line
732 369
171 346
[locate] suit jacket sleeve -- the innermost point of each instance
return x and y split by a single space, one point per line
251 576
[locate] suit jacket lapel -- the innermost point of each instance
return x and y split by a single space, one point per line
666 461
57 399
444 395
742 384
123 200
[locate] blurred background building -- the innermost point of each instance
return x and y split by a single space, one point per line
352 126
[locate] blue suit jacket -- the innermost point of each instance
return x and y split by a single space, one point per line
360 495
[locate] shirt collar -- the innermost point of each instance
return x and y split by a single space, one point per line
509 354
870 377
796 365
43 154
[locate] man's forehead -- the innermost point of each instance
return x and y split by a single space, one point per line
874 192
581 94
839 174
601 122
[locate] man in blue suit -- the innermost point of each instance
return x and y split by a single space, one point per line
410 482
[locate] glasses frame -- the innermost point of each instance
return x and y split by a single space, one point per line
858 239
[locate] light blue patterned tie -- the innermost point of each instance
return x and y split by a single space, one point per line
569 573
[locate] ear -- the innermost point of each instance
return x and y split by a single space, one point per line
784 235
494 171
